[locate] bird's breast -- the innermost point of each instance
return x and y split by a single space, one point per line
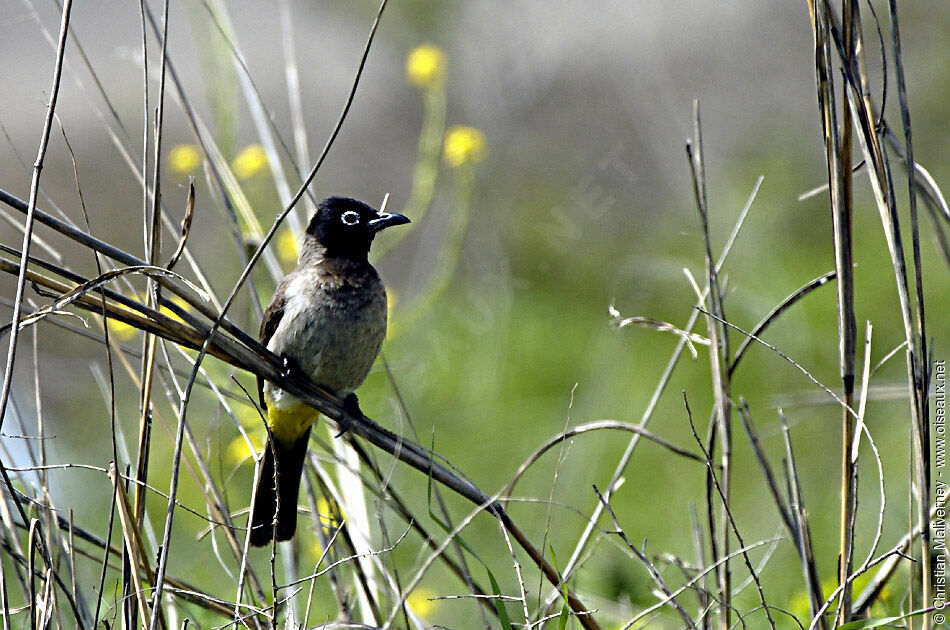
333 327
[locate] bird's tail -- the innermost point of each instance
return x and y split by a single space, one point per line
277 489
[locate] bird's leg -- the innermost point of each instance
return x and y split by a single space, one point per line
351 410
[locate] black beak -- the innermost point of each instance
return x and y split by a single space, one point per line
385 220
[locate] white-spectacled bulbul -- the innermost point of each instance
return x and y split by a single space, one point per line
327 319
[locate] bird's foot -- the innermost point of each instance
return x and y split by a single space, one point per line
351 410
289 366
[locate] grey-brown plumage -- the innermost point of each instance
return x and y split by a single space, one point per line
328 319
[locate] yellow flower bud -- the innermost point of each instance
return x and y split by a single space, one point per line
287 247
184 158
250 161
238 452
419 601
425 66
179 301
123 331
464 145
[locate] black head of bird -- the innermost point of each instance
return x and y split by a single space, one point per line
346 227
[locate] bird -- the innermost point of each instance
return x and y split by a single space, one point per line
327 320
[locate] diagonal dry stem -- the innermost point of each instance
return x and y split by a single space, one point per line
719 360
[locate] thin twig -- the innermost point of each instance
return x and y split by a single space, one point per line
718 359
777 312
671 364
920 375
21 283
31 208
790 360
654 574
586 428
728 512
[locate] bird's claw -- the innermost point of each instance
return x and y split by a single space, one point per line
351 410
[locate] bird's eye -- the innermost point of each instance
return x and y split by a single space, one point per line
350 217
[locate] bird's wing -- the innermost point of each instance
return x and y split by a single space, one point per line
272 317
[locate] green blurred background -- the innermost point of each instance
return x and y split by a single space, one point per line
582 200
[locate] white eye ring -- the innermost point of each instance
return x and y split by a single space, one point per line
350 217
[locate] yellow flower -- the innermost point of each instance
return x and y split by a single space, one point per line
123 331
250 419
464 145
425 66
329 512
250 161
180 302
330 516
419 601
127 332
184 158
287 246
238 452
